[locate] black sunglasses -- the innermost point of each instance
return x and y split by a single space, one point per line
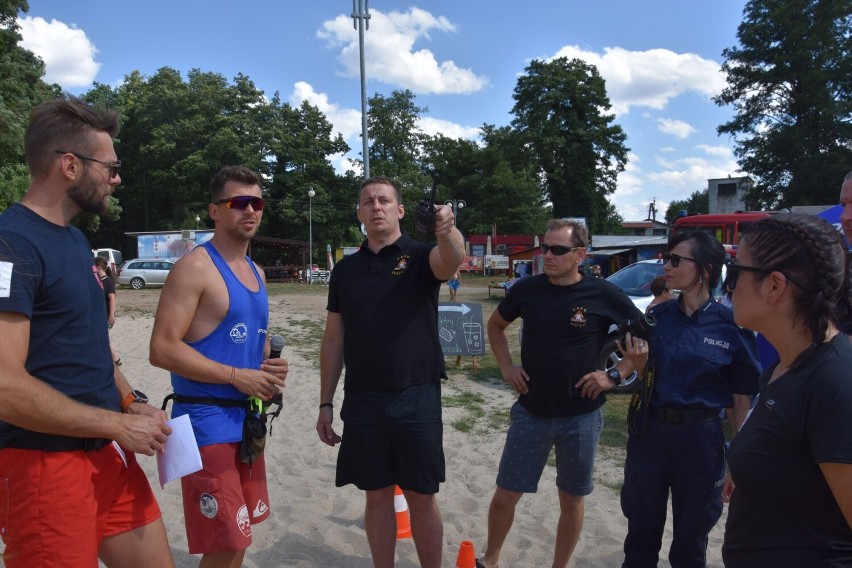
241 202
675 259
556 250
113 167
734 270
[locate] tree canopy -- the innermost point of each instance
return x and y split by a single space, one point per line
560 114
790 82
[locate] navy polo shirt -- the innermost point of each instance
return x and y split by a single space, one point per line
701 360
389 306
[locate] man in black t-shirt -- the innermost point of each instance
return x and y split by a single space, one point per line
382 323
567 318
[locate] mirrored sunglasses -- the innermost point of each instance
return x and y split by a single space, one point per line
241 202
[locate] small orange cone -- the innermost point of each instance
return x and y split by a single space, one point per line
403 524
467 558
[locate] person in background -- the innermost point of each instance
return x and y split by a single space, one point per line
108 284
71 490
382 321
791 463
453 284
211 333
566 318
701 362
660 291
846 202
596 271
846 223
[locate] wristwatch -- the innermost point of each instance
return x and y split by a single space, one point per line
131 397
614 376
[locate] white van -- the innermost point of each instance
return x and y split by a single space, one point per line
113 257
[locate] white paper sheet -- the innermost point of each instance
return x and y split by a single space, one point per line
180 456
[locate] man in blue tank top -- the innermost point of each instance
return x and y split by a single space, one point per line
211 333
382 323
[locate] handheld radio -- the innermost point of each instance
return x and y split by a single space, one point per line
424 217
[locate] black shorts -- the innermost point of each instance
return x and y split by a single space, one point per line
392 438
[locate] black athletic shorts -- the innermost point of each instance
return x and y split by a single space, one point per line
392 438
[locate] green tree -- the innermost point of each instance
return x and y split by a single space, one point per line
300 144
697 203
396 146
560 111
790 82
21 87
506 185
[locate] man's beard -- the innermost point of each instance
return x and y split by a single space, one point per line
88 196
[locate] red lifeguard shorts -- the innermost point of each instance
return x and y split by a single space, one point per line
57 507
223 500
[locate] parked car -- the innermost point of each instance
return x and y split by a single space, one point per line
635 280
141 272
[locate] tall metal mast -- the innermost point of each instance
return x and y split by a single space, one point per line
361 21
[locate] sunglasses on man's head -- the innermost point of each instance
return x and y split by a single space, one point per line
241 202
675 259
556 250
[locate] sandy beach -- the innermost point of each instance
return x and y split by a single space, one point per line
315 524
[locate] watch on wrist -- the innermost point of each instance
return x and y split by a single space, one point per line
615 376
131 397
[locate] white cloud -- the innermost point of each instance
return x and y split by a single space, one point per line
683 176
677 128
390 54
433 126
69 56
650 78
720 151
670 178
347 122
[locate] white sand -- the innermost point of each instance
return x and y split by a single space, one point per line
315 524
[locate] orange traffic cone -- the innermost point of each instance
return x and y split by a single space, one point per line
467 558
403 524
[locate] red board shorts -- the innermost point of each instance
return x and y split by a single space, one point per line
223 500
57 507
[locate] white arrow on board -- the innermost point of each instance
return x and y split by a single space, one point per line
463 309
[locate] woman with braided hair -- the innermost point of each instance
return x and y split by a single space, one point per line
791 463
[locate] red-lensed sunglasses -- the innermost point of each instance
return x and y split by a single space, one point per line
241 202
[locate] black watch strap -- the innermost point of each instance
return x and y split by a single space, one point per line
615 376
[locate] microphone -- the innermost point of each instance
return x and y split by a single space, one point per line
276 346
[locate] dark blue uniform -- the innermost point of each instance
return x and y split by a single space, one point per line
699 362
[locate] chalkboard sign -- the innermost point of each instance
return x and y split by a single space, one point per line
460 328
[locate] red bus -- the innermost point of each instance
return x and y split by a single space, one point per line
727 227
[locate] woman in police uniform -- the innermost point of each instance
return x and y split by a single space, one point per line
699 362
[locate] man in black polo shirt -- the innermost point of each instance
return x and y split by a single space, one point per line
382 323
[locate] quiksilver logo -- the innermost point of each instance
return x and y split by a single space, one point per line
717 343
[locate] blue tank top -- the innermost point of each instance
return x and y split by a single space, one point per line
238 340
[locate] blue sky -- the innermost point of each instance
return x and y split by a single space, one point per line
661 60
